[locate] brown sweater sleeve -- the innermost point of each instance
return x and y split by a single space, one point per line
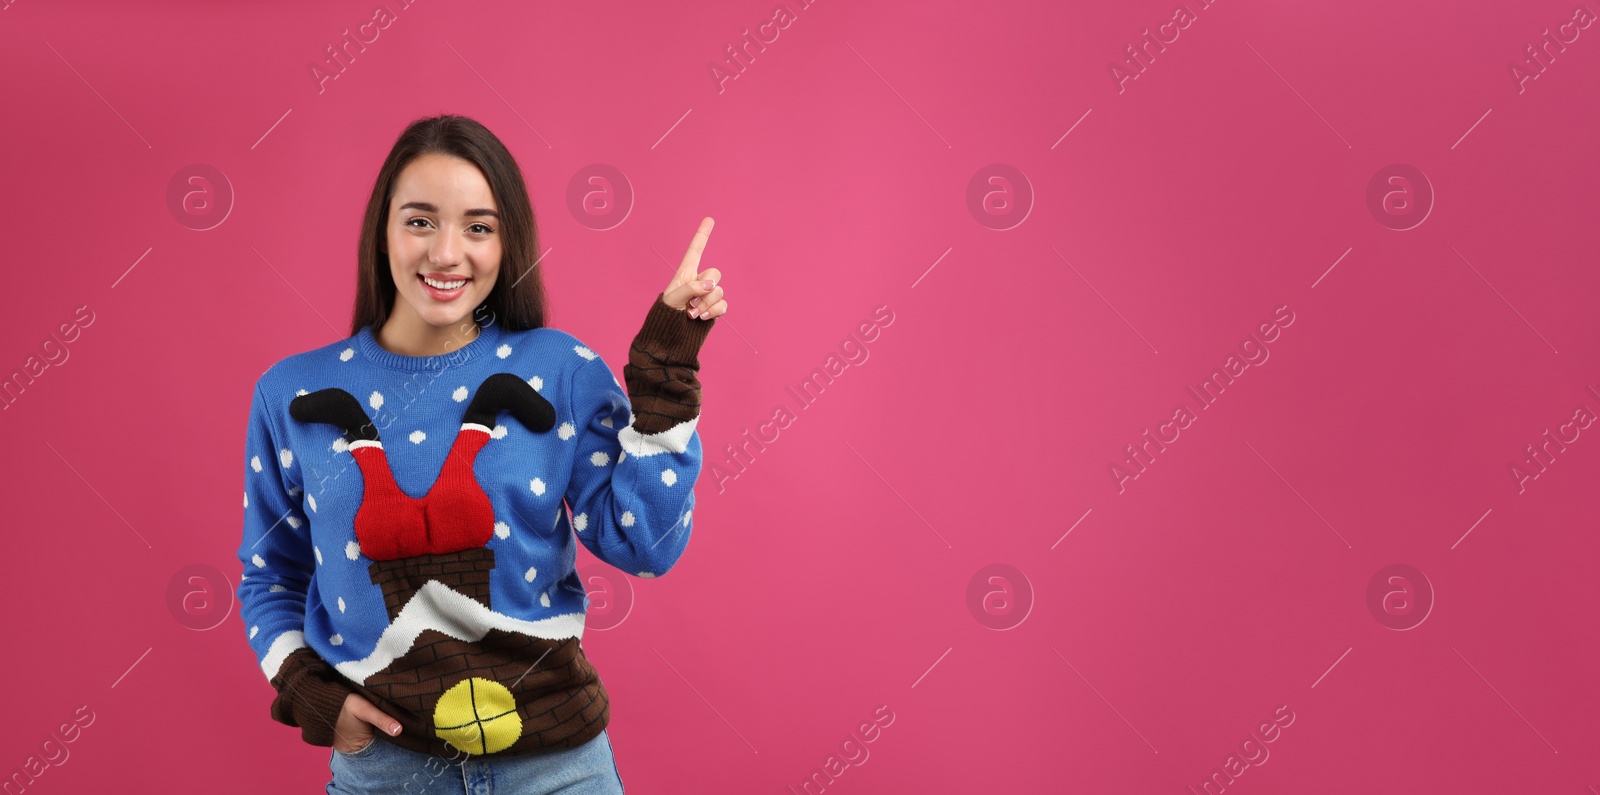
310 696
663 368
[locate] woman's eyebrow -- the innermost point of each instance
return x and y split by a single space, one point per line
429 208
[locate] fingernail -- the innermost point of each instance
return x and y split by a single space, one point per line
708 284
692 312
395 729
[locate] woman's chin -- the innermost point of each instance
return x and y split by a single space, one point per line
444 318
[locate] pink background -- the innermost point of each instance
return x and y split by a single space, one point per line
829 572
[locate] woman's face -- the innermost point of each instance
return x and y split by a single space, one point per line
443 240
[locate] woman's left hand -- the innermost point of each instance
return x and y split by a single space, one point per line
694 289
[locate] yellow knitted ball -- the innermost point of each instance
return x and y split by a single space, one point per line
478 716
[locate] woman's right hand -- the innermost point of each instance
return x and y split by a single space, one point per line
357 718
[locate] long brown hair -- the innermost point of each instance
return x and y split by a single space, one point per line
514 308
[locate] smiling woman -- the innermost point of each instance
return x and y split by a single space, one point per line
443 253
427 613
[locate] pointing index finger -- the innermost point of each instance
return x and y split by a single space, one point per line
690 266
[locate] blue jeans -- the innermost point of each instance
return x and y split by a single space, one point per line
383 767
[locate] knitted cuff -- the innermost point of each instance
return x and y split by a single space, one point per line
678 336
663 367
310 696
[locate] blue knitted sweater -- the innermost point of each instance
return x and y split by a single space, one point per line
409 526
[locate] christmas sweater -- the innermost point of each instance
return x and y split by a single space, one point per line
409 526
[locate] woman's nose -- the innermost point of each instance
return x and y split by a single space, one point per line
446 249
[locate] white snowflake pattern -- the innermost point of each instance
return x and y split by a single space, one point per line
256 559
318 551
459 395
669 477
253 631
352 550
502 529
341 604
347 354
375 400
627 518
532 573
286 457
599 458
537 383
566 431
536 486
417 437
544 599
255 463
584 352
499 432
313 501
580 522
336 640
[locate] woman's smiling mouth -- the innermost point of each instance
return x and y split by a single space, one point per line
443 287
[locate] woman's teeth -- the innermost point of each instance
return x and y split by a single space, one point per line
438 285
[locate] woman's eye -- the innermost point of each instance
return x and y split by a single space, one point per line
419 218
486 229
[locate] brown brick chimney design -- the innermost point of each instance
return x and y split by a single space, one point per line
467 572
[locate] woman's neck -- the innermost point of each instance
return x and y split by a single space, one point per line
409 335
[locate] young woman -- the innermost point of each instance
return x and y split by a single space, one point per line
412 492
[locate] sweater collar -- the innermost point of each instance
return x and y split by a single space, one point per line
488 340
